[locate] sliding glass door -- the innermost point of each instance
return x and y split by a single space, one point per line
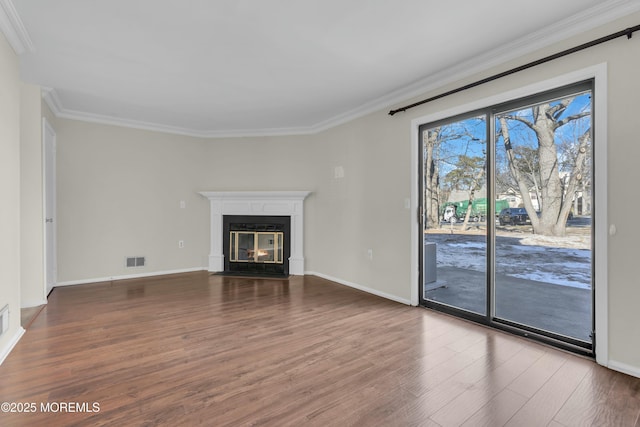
455 205
543 254
507 215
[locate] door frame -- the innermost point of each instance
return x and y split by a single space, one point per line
599 74
49 186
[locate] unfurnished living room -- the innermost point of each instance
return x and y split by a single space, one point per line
296 212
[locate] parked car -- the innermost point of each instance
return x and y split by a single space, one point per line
514 216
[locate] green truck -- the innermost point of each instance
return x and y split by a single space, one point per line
456 211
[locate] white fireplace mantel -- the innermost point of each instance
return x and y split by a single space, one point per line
259 203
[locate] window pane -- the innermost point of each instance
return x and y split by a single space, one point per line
455 214
543 274
246 246
266 246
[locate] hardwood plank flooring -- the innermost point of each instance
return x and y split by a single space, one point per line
200 349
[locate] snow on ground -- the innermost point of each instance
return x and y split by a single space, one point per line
577 242
561 261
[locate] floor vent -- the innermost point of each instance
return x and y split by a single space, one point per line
135 261
4 319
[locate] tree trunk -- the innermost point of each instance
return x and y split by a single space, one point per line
515 173
472 193
552 191
575 178
431 177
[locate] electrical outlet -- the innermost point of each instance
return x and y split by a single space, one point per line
180 244
370 254
183 204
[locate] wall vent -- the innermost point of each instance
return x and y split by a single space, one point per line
135 261
4 319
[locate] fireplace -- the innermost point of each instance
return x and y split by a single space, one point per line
256 245
257 205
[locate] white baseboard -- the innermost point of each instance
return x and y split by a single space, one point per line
129 276
624 368
4 352
360 287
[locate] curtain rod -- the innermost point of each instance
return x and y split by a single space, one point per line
626 32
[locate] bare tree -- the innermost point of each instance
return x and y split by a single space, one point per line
572 152
544 120
528 163
436 156
468 176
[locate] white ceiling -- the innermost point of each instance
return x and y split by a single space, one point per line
247 67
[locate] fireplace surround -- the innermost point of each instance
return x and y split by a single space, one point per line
288 204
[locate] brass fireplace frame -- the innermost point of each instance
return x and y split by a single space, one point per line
257 252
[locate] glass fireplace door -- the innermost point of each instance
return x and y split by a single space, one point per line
256 246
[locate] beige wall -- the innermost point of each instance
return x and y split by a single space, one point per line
119 193
365 210
624 175
10 192
31 200
119 189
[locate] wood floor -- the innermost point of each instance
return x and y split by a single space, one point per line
196 349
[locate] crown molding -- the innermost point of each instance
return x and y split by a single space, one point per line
52 100
13 29
50 96
587 20
56 106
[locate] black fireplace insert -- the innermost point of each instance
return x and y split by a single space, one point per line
256 245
